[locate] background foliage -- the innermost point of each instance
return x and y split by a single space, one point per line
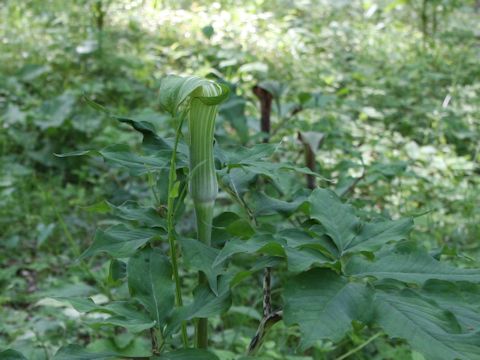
392 85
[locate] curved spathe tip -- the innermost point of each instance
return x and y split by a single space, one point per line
174 90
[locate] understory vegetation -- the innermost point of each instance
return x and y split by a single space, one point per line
240 180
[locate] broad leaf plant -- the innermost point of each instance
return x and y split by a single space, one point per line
335 271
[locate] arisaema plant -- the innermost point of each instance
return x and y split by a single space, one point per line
335 273
198 100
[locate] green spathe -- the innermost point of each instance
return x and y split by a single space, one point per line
198 99
201 98
201 125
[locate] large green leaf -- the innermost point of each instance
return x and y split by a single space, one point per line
127 316
375 234
324 304
122 155
347 231
300 260
429 329
462 299
266 244
119 241
266 205
338 219
150 282
255 161
244 156
302 250
122 313
153 143
143 215
299 238
10 354
187 354
151 140
408 265
205 304
306 249
77 352
201 257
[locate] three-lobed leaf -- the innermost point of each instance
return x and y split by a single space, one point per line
347 231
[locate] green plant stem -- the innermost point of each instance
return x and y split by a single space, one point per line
201 331
204 216
203 179
172 176
359 347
